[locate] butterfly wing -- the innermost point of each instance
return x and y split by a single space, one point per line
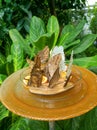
44 54
36 73
54 78
53 64
30 62
69 69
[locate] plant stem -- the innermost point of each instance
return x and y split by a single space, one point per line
51 4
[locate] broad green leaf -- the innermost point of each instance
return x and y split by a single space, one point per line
37 29
20 124
93 69
88 120
86 61
9 68
3 112
71 44
17 55
76 123
18 39
69 36
2 78
45 40
9 58
53 27
2 59
80 25
67 29
85 43
62 39
38 125
64 124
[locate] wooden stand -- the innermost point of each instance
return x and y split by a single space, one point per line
51 125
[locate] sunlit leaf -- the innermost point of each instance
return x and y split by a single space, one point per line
68 36
18 39
86 61
53 27
17 54
37 29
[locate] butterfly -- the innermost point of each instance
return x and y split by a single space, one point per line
37 70
47 66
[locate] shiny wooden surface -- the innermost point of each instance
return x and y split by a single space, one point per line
72 103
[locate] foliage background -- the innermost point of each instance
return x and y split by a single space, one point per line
22 35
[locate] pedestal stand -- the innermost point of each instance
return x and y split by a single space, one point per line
51 125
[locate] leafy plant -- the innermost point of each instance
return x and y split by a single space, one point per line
38 37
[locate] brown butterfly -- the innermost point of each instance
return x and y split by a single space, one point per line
44 54
52 66
36 73
50 69
54 78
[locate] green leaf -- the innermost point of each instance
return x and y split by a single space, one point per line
76 123
37 29
17 54
86 61
38 125
71 44
2 78
44 40
53 27
3 112
93 69
18 39
62 39
20 124
86 121
69 35
64 124
85 43
9 68
2 59
9 58
89 118
67 29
